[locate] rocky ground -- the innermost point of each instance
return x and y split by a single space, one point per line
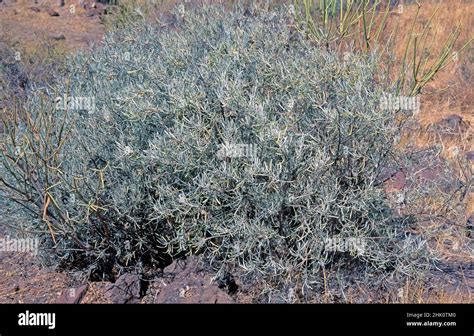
76 24
24 280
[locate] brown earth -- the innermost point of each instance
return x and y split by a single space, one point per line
32 23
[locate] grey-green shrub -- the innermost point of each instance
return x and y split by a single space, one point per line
143 175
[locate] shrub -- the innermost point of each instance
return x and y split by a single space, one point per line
224 133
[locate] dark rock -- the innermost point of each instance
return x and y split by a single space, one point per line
125 290
398 181
427 165
73 295
470 156
59 38
52 12
470 226
189 283
451 126
35 9
453 122
386 173
421 169
453 273
430 174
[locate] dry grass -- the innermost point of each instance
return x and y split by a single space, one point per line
417 292
451 91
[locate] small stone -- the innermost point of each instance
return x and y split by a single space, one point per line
190 284
430 174
470 226
451 126
59 38
470 156
399 181
73 295
52 12
125 290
